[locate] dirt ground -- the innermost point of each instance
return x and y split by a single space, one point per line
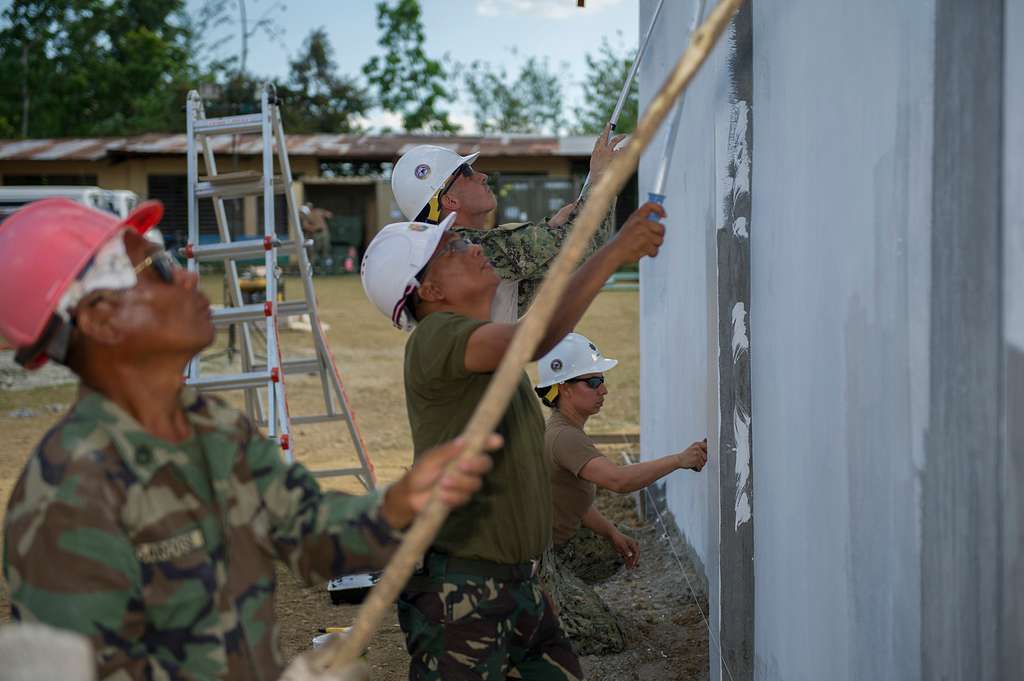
667 640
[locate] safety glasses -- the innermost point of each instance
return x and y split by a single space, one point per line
457 245
463 170
594 382
163 263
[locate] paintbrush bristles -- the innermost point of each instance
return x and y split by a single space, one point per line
528 336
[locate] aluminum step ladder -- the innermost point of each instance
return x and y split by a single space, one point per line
263 372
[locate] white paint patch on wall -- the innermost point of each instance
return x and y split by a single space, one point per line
740 342
677 365
741 431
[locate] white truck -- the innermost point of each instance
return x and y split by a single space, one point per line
120 202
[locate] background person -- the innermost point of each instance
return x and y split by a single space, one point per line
149 518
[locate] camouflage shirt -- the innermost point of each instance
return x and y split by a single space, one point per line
163 554
523 251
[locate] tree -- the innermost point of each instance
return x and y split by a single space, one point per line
94 67
317 99
216 22
530 104
606 74
405 80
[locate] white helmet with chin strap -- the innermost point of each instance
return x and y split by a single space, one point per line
392 261
420 175
574 356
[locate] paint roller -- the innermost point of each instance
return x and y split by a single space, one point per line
617 111
657 195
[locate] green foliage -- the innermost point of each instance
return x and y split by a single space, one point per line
530 104
316 98
94 67
606 74
405 80
222 24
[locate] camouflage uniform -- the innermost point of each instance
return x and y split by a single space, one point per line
163 554
586 620
469 627
523 251
590 557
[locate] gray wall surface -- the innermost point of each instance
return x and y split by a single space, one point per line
1013 301
839 288
841 263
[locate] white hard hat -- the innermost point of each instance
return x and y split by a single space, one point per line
392 261
421 173
574 356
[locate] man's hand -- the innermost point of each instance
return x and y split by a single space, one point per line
410 494
641 235
626 547
604 152
562 216
693 457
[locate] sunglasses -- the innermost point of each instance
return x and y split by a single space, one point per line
464 170
458 245
163 263
594 382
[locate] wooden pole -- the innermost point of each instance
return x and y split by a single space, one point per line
420 536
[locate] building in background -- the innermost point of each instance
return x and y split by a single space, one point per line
348 175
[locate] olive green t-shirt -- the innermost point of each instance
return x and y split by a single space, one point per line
568 450
509 520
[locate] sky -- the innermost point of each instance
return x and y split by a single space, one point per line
464 30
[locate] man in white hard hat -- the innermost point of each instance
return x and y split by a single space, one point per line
476 609
572 385
432 182
149 518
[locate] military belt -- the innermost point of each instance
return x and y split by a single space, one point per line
437 565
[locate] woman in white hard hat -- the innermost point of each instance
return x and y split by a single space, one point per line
572 385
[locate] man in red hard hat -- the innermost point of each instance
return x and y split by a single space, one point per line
148 519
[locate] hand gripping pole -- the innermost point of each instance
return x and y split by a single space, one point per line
341 656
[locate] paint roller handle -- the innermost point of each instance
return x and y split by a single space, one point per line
658 199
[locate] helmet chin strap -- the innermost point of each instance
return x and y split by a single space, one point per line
434 208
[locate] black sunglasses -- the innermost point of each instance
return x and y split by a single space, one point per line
594 382
163 263
464 170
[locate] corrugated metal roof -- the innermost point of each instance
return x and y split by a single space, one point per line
370 147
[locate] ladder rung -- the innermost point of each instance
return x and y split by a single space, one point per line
331 472
229 125
316 418
255 312
245 249
252 379
296 366
234 188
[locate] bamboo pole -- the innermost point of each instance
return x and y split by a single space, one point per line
420 536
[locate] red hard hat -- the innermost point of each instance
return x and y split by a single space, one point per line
43 248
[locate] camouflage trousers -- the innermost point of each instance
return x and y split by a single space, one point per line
589 556
461 627
586 619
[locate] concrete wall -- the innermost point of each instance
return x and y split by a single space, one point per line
840 277
886 545
1013 301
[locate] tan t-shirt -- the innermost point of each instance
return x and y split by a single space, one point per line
568 449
